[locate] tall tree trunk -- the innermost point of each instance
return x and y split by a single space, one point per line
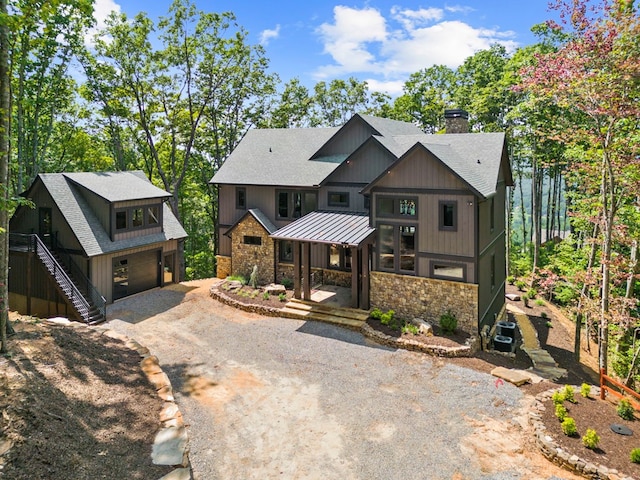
583 294
5 123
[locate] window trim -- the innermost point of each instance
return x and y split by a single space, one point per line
252 240
241 191
343 253
433 274
397 199
396 248
129 213
281 258
290 202
339 203
441 225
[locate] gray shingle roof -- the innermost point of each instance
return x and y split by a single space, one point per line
260 217
91 235
279 156
117 186
348 229
388 128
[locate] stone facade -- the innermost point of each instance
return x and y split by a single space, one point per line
426 298
223 266
339 278
245 256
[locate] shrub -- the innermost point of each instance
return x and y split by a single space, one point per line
525 299
253 279
561 412
282 297
521 285
532 292
287 283
410 328
567 392
265 296
549 325
557 398
540 303
389 320
511 279
591 439
625 409
376 314
585 390
569 427
635 455
448 322
237 278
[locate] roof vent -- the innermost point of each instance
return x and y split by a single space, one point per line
456 121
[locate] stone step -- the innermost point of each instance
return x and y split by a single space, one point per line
350 313
306 314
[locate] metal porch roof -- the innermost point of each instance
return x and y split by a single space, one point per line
343 228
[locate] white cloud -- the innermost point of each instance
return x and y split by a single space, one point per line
267 35
101 11
390 48
392 87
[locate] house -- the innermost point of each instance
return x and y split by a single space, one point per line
409 221
88 239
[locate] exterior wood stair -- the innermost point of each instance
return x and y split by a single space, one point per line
306 310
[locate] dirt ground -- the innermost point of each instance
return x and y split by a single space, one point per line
76 405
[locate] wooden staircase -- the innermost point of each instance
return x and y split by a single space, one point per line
306 310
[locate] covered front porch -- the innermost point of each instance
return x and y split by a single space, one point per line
349 231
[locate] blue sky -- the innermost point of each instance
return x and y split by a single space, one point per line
379 41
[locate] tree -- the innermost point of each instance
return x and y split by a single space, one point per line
5 120
596 76
337 102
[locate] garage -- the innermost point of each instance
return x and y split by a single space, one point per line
136 272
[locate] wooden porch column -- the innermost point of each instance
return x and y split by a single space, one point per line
355 276
297 271
364 278
306 271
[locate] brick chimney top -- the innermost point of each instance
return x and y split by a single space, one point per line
456 120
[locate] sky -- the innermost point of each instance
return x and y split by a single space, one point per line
378 41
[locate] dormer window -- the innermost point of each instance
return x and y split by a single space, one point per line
137 218
153 216
121 220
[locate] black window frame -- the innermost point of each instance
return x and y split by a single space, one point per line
253 240
281 250
340 203
492 214
241 198
129 213
291 203
433 274
397 254
396 206
344 255
454 215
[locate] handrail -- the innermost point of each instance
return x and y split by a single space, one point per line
32 243
604 390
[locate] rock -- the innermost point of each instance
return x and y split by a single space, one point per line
178 474
5 445
169 446
232 285
424 327
517 377
275 289
59 320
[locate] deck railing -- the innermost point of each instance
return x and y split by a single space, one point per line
631 395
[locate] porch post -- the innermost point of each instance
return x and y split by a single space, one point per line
364 279
306 271
297 273
355 275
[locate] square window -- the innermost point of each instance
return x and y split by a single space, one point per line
241 198
338 199
448 215
408 207
385 206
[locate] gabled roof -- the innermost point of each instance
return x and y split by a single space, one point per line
88 229
475 158
279 156
260 217
340 228
117 186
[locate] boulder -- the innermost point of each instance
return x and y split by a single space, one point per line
275 289
424 327
514 297
233 285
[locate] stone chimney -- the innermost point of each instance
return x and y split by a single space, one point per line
456 121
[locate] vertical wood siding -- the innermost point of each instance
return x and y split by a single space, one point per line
352 135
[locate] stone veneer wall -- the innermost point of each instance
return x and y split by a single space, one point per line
223 266
246 256
426 298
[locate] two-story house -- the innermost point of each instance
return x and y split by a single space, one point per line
409 221
108 234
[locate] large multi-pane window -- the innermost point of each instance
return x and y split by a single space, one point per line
291 204
397 248
339 258
135 218
388 206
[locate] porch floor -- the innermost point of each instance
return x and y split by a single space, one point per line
332 296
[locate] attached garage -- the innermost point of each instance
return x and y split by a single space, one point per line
136 273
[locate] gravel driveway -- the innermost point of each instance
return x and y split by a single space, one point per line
267 398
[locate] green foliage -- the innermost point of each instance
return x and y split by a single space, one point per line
389 320
561 412
376 314
282 297
564 294
237 278
287 283
253 279
540 303
549 325
266 296
569 427
531 293
568 394
410 328
511 279
557 398
585 390
635 455
448 322
542 314
525 299
521 285
625 409
591 439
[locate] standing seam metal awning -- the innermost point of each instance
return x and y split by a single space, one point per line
347 229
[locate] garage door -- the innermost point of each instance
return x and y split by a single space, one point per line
136 273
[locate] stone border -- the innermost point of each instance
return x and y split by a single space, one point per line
171 443
553 452
466 350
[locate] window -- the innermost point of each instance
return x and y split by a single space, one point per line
252 240
448 215
492 214
241 198
137 218
339 257
448 271
121 220
396 207
153 216
397 248
338 199
286 251
291 204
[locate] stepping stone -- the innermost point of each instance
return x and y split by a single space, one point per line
517 377
513 297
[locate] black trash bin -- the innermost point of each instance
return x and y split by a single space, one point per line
507 329
502 343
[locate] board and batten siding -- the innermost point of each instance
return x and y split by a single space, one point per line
363 166
102 265
352 135
99 206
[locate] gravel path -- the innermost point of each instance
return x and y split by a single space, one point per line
270 398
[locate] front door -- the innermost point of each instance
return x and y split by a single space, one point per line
45 229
